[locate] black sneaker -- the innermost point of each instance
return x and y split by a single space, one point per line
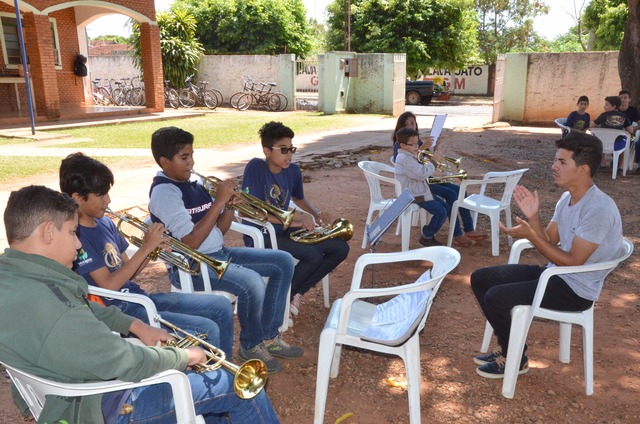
429 242
281 349
260 352
495 369
487 357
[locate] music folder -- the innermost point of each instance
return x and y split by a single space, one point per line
376 229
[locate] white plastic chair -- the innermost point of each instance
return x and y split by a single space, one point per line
34 390
561 123
522 316
484 204
351 316
608 137
373 173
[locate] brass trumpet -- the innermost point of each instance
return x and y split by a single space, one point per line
339 228
425 156
250 206
180 252
249 378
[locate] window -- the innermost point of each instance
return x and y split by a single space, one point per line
11 44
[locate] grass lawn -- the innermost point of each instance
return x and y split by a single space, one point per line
217 129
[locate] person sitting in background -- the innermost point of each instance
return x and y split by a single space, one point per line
578 120
633 114
614 119
413 175
57 334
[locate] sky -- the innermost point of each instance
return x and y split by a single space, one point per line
555 23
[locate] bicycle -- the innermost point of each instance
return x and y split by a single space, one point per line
262 96
99 94
192 94
127 94
171 96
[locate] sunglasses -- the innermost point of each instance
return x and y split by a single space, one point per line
285 150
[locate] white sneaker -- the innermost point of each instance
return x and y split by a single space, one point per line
294 306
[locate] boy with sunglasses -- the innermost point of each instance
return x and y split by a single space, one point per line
190 214
277 180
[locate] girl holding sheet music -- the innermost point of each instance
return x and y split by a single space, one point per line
447 191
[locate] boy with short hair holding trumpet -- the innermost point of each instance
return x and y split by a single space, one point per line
277 181
103 261
56 334
187 210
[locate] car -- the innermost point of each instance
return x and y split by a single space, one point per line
418 92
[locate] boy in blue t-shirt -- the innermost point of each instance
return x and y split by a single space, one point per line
103 261
579 120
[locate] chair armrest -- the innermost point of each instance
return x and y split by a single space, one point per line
517 248
140 299
253 232
269 226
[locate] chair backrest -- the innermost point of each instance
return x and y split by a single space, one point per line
608 137
373 173
510 180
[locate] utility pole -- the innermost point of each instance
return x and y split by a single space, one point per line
347 25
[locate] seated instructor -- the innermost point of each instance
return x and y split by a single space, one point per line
55 333
277 180
585 228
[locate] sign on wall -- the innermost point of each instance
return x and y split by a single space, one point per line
470 80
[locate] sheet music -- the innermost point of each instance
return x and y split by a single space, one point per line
436 128
376 229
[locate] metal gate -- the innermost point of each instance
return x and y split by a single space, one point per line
307 84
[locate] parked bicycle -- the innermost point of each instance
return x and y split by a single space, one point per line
127 93
260 95
99 94
171 97
194 94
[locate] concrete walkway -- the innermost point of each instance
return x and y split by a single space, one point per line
131 186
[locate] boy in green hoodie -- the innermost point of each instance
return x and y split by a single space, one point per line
57 334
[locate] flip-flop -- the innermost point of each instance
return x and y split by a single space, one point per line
458 243
476 238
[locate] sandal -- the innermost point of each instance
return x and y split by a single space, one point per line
475 235
462 241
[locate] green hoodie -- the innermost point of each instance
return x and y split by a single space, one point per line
49 330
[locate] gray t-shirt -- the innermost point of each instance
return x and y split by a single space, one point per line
596 219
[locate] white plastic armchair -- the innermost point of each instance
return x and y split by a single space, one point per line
373 172
352 315
487 205
522 316
34 390
140 299
608 137
561 122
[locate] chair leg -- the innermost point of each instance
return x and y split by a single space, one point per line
486 340
520 322
414 379
405 229
452 222
587 351
368 221
564 354
325 291
325 357
495 234
285 322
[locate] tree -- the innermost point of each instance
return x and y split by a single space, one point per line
181 53
432 33
605 20
629 57
507 25
251 26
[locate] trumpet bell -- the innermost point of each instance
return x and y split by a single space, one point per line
250 378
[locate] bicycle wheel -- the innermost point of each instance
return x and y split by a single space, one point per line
174 100
136 97
105 96
209 98
245 101
273 102
233 101
118 97
219 97
284 102
187 98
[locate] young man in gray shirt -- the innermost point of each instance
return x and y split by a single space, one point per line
585 228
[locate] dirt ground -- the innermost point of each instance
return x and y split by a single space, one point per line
452 392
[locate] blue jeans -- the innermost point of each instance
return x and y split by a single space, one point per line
637 152
205 314
260 306
449 192
213 396
316 260
438 209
